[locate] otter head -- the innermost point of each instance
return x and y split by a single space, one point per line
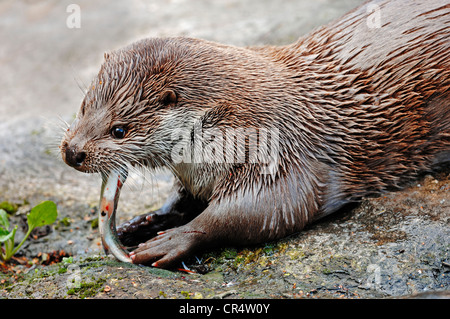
131 109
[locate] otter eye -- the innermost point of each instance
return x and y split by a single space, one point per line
169 98
118 132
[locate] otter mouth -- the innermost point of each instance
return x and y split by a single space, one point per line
112 183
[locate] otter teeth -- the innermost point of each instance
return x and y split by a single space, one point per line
109 198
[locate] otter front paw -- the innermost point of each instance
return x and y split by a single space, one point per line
141 228
168 247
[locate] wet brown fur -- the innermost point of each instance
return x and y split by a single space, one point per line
360 111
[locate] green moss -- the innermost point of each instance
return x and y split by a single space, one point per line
229 253
295 254
92 259
253 258
62 270
48 271
326 271
9 207
186 294
269 249
7 281
88 289
65 221
94 223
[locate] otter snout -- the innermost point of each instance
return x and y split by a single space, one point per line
74 157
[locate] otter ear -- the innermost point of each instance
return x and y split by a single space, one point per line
169 98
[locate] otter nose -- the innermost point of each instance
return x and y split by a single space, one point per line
74 158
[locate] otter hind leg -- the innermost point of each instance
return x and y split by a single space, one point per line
169 247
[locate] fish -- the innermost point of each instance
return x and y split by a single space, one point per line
112 183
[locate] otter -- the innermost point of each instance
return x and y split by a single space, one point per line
354 108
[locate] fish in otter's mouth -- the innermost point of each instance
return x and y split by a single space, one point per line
109 198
